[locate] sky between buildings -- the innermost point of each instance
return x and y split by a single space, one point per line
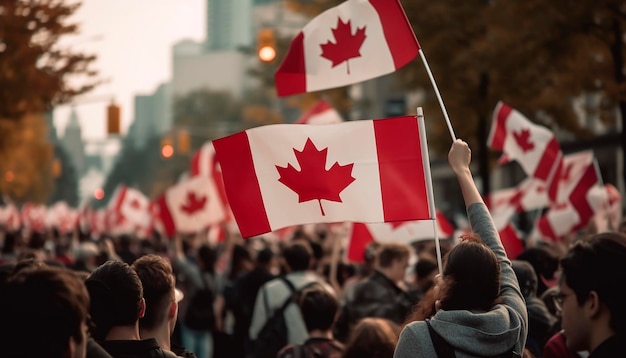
133 40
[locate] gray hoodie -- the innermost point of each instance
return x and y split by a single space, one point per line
475 333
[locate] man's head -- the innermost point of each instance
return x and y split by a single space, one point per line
44 313
116 297
393 260
319 308
297 255
158 283
591 294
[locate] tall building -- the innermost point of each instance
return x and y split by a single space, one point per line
229 24
73 143
153 115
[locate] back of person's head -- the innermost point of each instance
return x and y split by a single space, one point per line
265 256
297 255
116 297
42 310
526 277
157 279
373 338
207 256
425 270
319 308
598 264
390 252
471 276
545 264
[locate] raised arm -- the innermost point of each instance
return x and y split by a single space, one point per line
459 158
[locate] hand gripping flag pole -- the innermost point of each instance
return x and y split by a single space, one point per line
429 183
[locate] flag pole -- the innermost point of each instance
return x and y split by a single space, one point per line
429 183
443 107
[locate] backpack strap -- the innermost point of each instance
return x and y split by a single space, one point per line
443 348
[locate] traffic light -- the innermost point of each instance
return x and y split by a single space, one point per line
57 168
113 119
167 149
183 141
266 45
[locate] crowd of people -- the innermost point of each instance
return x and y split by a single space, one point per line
74 296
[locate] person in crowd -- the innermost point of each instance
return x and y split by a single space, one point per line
159 292
198 273
541 322
478 308
44 313
380 295
241 296
271 296
117 304
373 338
546 265
319 308
591 297
425 272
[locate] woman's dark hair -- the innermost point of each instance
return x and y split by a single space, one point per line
318 307
471 276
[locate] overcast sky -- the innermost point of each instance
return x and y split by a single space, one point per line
133 41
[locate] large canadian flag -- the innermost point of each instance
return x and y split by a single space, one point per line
190 206
353 42
320 113
132 206
363 171
534 147
406 232
530 194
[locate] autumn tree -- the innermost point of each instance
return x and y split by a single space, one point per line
35 75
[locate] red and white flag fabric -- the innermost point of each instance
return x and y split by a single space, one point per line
406 232
534 147
511 240
353 42
204 163
606 202
320 113
10 217
530 194
61 217
573 208
34 217
131 207
191 206
363 171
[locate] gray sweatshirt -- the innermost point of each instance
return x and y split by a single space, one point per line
475 333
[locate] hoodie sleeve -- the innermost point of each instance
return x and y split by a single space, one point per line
510 292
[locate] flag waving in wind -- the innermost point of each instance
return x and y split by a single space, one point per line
353 42
289 174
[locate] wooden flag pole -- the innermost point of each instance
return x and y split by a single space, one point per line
443 107
429 185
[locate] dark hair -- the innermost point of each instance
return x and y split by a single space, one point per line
264 256
116 293
425 266
388 252
207 256
318 307
471 276
298 254
158 283
372 337
41 309
597 264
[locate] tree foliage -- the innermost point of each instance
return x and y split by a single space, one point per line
34 70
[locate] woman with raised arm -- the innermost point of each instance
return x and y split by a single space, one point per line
476 308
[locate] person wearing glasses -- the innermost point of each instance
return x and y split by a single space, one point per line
480 310
592 298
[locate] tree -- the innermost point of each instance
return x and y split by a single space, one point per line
65 184
34 70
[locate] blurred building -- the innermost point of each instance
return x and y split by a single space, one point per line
73 143
228 24
153 115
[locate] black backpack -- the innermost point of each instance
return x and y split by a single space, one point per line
200 314
445 350
273 336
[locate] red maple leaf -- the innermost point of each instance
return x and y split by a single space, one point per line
194 203
567 172
347 46
313 181
523 140
135 204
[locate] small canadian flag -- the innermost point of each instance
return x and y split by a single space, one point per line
190 206
320 113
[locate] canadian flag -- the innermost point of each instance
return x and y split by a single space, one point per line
353 42
290 174
573 210
409 231
34 217
530 194
534 147
190 206
320 113
132 206
61 217
10 217
606 202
